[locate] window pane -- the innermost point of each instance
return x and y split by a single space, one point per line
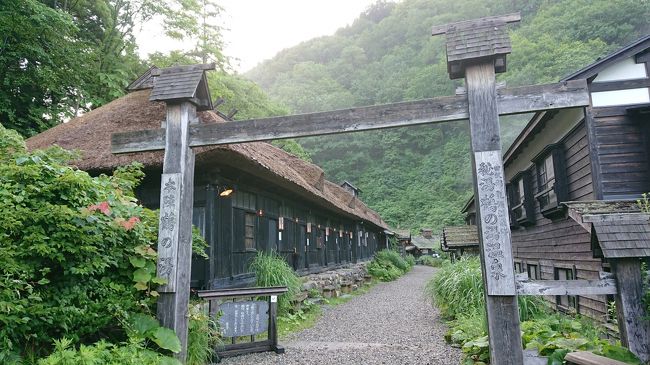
550 171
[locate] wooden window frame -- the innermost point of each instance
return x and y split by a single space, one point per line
252 247
536 266
522 207
551 192
572 305
519 267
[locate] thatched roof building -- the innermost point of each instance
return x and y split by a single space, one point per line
90 134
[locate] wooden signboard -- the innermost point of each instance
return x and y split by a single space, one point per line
240 318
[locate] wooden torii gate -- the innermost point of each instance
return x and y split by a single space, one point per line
476 49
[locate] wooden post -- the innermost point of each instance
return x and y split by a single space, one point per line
492 213
633 323
175 225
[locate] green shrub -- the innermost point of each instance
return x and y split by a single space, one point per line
127 353
383 270
430 261
388 265
273 270
76 251
410 260
394 258
557 334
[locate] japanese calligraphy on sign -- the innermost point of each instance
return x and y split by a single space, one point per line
244 318
168 229
494 224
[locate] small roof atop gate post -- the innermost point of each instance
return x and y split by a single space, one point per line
183 83
477 39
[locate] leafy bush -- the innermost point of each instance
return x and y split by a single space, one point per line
75 250
557 334
394 258
430 261
128 353
383 270
273 270
410 260
388 265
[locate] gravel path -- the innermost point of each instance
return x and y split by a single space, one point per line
392 324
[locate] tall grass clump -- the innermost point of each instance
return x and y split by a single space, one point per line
272 270
203 336
458 288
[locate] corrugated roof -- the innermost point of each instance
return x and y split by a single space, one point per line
460 236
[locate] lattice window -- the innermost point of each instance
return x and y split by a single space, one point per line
249 231
533 271
566 302
520 198
552 187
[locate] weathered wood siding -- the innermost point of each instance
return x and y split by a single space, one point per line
622 148
222 222
563 243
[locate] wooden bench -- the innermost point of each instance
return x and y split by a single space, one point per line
588 358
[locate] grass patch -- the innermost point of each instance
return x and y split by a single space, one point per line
272 270
298 321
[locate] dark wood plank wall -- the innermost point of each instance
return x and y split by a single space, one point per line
563 243
622 147
223 221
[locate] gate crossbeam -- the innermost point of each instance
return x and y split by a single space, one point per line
510 101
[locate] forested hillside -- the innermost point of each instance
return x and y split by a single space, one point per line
420 176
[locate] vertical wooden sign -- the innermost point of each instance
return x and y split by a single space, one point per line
170 199
495 229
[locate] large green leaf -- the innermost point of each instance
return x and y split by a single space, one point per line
167 339
143 323
141 276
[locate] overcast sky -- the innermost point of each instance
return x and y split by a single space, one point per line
258 29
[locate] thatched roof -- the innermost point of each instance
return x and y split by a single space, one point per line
90 134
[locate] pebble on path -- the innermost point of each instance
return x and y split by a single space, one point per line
393 323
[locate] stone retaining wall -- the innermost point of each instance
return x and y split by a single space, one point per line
333 283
